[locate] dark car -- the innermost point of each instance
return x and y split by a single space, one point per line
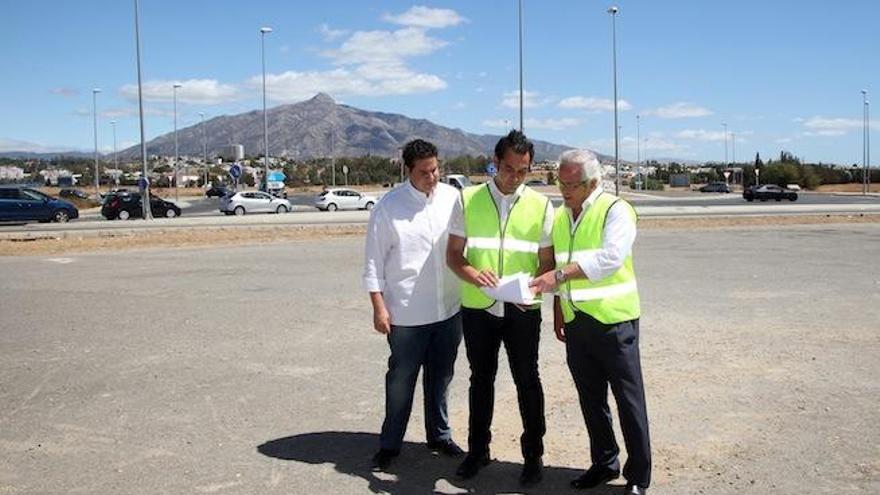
717 187
217 192
72 193
23 204
130 205
769 191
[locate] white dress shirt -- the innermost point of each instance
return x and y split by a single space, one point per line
406 255
504 204
617 240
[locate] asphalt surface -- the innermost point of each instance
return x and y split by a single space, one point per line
254 369
204 212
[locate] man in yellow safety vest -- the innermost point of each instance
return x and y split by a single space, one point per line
596 314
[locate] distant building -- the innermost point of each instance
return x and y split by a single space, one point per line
11 173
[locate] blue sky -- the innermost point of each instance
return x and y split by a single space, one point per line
784 74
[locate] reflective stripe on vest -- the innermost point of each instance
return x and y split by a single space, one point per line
506 249
611 300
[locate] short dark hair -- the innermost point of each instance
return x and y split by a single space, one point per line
516 142
417 149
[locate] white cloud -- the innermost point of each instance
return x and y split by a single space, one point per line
373 80
679 110
426 17
384 46
826 133
593 104
19 145
195 91
531 99
832 123
122 112
330 34
459 105
628 143
530 123
69 92
700 135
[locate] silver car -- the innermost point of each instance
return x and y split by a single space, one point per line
244 202
344 199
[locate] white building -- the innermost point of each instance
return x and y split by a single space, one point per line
11 173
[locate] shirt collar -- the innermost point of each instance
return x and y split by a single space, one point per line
493 188
419 194
589 201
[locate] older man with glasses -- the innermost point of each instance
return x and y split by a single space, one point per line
596 315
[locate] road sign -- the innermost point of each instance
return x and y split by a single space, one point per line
143 183
726 174
490 169
235 171
345 169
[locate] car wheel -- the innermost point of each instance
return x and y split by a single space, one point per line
239 210
123 215
369 206
61 216
281 209
170 213
792 198
332 207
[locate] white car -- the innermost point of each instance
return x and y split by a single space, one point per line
344 199
244 202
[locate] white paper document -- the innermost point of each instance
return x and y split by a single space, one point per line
512 289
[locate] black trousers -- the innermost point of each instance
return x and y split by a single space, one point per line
600 355
520 332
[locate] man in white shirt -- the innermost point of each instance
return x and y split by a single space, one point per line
502 229
416 299
596 314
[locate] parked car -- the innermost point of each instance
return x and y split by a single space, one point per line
716 187
769 191
73 193
343 199
457 181
217 192
23 204
125 205
244 202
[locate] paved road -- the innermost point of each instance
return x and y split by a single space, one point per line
254 370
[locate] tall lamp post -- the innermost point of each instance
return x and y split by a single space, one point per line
866 144
638 152
115 154
148 213
176 154
95 92
521 66
613 10
204 147
724 124
263 32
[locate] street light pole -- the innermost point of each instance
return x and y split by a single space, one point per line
263 32
145 195
95 92
176 154
866 153
613 10
638 152
521 66
204 147
725 143
115 153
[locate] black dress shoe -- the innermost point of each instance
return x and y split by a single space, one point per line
594 477
445 447
472 464
532 471
383 458
632 489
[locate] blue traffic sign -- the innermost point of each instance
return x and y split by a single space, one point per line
235 171
143 183
490 169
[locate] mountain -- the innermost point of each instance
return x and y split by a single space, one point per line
318 126
33 155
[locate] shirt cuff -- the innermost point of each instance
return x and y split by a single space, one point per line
374 284
590 267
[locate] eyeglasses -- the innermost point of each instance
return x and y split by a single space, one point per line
563 185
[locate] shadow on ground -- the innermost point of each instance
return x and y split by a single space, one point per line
416 471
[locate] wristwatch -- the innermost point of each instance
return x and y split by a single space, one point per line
560 276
